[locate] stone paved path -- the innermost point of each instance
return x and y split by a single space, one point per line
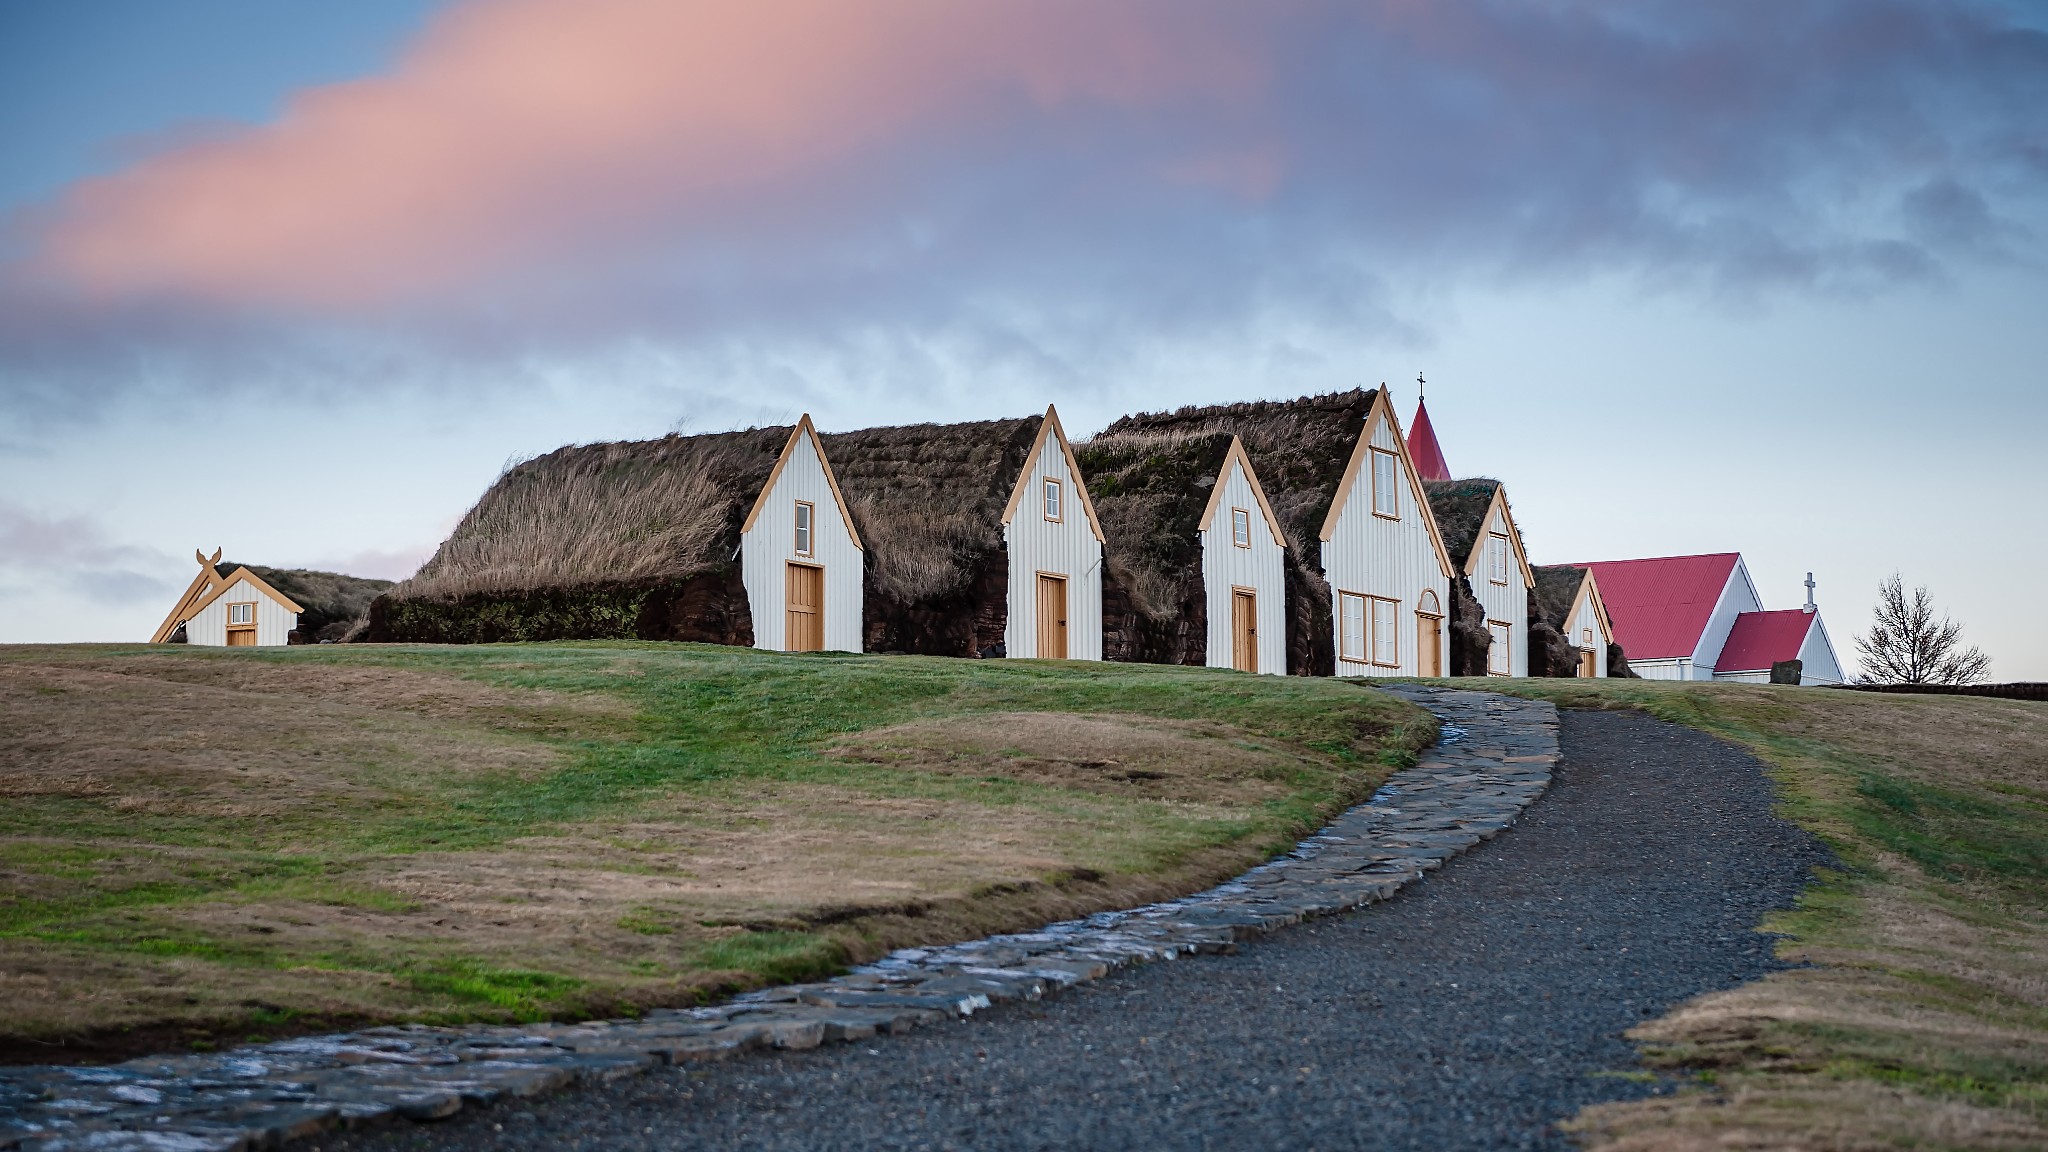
1082 1069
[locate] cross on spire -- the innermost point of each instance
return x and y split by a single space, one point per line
1419 382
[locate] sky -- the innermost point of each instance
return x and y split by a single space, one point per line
298 280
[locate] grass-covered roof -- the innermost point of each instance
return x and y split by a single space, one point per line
323 597
1460 510
1557 587
1299 448
1150 489
928 499
604 514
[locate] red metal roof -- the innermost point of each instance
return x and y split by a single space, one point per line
1661 607
1761 639
1423 448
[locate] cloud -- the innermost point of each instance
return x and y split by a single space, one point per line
1058 182
75 551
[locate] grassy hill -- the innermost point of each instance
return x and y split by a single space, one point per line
1923 1022
202 846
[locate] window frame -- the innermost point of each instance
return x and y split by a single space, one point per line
804 529
1498 563
1241 518
1050 494
241 624
1504 644
1393 630
1393 482
1344 653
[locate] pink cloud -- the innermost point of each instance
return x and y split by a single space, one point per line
513 130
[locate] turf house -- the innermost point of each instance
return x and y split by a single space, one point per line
1491 580
981 539
1196 560
800 558
1569 631
229 607
1315 458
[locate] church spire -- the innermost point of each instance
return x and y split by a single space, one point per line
1422 446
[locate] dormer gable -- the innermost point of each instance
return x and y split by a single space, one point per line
1382 413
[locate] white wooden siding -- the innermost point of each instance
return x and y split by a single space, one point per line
1588 619
767 548
1260 568
1509 602
1737 596
1817 662
1066 548
273 622
1395 559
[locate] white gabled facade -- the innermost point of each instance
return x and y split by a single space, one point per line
1385 561
799 520
1498 573
238 610
1055 548
1244 553
1587 628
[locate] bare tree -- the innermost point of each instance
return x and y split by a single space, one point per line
1907 645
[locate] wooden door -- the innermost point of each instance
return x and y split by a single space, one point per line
1052 617
1429 645
242 638
1589 663
804 610
1244 630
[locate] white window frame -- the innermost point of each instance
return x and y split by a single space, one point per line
806 528
1500 657
250 622
1055 502
1498 543
1386 496
1346 650
1241 527
1386 640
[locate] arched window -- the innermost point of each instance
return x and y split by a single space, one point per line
1428 604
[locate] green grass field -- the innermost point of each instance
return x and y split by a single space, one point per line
1924 1021
203 846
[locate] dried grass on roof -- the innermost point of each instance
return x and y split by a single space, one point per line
1150 489
323 597
1557 587
605 514
1299 448
1460 510
928 499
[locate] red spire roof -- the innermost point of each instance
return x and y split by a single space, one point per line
1422 446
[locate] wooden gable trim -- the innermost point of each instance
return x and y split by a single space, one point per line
236 577
1589 592
193 591
1050 426
1507 517
1383 409
1237 453
796 435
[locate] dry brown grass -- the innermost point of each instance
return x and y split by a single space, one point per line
605 513
207 845
1150 488
1924 1022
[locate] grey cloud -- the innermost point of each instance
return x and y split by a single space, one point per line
76 551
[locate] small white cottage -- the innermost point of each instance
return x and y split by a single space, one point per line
801 558
1244 555
236 610
1055 553
1568 598
1478 528
1388 569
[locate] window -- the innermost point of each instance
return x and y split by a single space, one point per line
241 615
1052 500
1351 634
805 515
1386 643
1586 637
1240 528
1497 545
1499 661
1386 476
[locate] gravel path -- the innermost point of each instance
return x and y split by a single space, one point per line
1473 1011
